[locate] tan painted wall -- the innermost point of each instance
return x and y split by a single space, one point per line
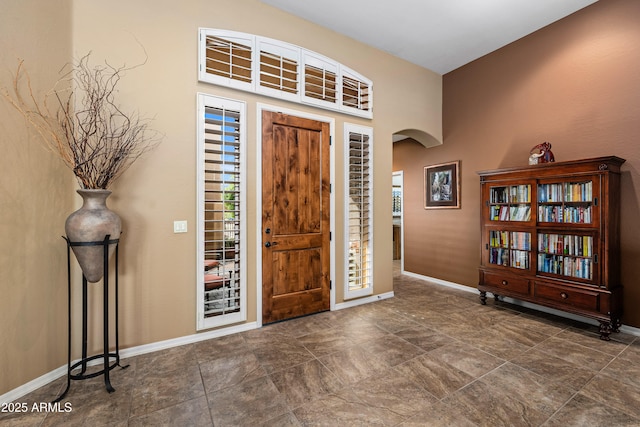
575 84
35 198
158 267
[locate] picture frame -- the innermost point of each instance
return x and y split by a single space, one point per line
442 186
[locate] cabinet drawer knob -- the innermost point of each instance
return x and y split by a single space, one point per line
564 295
505 283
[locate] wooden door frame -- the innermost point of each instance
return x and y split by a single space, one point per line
260 107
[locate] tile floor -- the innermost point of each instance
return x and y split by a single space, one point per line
431 356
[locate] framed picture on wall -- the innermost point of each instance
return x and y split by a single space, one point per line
442 186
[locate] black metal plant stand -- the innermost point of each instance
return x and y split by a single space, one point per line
105 355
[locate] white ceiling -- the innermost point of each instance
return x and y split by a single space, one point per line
440 35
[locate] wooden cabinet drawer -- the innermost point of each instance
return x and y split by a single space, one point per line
579 298
510 284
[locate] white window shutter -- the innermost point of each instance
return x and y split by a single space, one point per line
222 213
278 69
357 93
226 58
282 70
320 81
359 212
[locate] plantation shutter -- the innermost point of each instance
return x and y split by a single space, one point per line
356 91
222 224
228 60
359 212
282 70
320 81
278 69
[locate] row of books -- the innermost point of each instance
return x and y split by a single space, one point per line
567 214
511 194
581 246
499 239
511 213
547 263
566 266
514 240
509 258
566 192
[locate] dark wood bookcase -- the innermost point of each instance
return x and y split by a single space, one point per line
550 236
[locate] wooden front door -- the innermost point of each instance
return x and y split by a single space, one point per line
295 216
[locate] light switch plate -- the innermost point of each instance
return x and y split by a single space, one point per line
179 226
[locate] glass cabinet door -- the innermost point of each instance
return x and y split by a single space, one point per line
569 202
510 203
510 249
567 255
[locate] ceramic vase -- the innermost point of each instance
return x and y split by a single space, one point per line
92 223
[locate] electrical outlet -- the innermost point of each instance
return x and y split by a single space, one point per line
179 226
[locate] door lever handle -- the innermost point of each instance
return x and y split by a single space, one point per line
269 244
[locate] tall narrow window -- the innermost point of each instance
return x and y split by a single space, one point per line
221 221
359 211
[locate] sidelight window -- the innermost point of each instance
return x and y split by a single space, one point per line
221 214
359 211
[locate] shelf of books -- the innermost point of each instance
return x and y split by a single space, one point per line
566 255
510 248
510 203
567 202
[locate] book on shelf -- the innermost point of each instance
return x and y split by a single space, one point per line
568 214
521 193
512 194
566 266
520 213
521 240
504 213
519 259
499 256
577 214
567 192
499 239
549 193
578 191
499 195
578 246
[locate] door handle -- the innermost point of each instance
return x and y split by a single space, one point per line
269 244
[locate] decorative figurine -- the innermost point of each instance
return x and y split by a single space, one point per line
541 153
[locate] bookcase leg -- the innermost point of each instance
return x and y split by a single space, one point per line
615 325
605 331
483 297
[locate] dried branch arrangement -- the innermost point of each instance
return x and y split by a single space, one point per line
85 126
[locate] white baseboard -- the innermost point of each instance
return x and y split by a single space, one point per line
33 385
440 282
365 300
188 339
45 379
626 329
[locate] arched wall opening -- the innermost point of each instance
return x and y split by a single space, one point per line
422 137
